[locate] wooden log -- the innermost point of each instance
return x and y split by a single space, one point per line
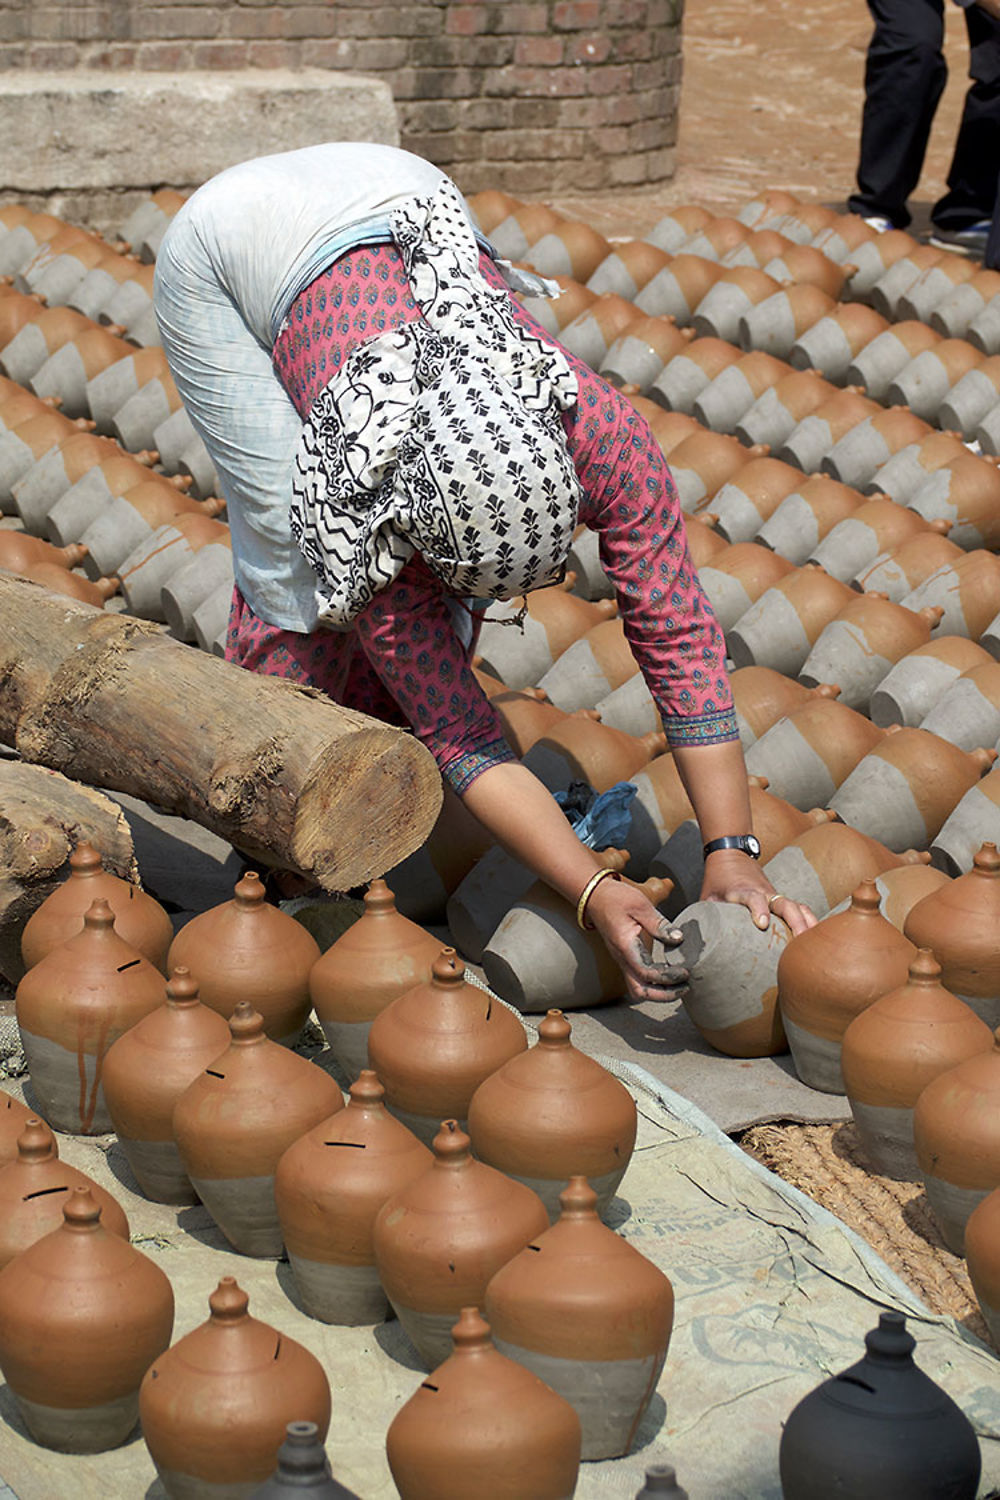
43 816
279 770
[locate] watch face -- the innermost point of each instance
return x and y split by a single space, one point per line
753 846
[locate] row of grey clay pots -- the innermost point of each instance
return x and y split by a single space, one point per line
942 375
178 570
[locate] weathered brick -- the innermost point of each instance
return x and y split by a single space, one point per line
275 55
588 49
438 51
557 82
446 83
576 15
633 46
374 56
539 51
611 140
630 13
520 20
164 56
665 13
405 20
258 23
622 109
13 26
488 51
466 20
527 145
608 80
625 171
13 55
117 55
226 56
537 113
162 23
52 56
310 21
63 23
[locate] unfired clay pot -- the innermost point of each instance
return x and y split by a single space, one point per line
247 949
806 515
329 1187
139 920
917 681
145 1073
82 1315
483 1425
234 1122
900 888
894 1049
781 627
56 579
731 995
862 642
593 666
440 1239
537 958
761 696
553 1112
965 493
959 922
899 570
215 1406
904 789
71 1007
829 974
956 1130
823 865
19 551
591 1316
982 1252
376 960
809 752
580 749
35 1186
435 1045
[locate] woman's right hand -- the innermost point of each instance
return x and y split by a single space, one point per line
628 923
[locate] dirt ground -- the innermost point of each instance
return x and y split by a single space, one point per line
771 97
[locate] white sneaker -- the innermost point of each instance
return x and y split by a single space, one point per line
879 223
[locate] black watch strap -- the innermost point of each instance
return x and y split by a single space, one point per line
745 842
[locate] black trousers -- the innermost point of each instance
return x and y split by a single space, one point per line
905 75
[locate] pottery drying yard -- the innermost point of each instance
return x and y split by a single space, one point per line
829 403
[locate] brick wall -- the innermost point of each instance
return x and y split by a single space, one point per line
534 97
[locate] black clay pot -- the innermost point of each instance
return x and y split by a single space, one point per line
661 1484
302 1469
881 1430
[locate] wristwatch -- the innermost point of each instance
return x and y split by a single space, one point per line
745 842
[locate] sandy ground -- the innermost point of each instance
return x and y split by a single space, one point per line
772 97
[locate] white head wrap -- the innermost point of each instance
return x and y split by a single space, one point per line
441 438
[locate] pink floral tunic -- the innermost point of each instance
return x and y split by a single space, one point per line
403 661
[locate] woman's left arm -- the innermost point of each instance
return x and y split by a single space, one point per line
715 779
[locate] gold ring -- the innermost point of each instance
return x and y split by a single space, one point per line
777 896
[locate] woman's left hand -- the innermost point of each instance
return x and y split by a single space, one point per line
734 877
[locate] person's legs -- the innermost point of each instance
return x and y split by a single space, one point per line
972 180
905 75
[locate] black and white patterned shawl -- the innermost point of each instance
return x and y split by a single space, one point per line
441 438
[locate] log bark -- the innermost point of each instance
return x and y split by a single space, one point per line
279 770
43 816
